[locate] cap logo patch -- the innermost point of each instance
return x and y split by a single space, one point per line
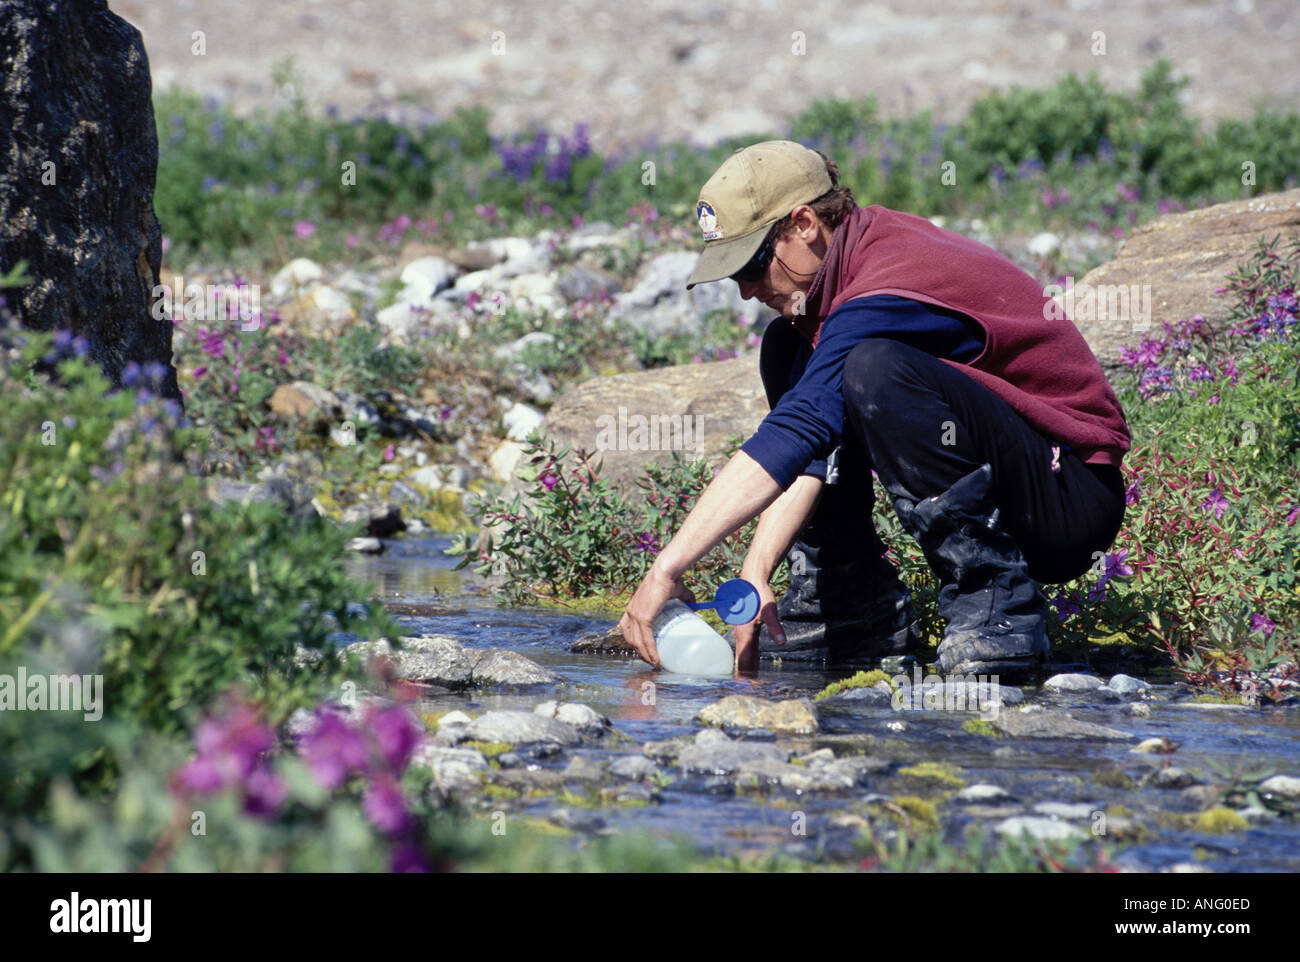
708 219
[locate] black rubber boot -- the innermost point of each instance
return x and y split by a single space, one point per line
839 613
994 614
845 602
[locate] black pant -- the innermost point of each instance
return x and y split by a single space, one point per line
923 425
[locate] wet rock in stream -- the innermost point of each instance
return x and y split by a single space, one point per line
1050 724
605 642
726 758
635 767
438 660
795 716
517 728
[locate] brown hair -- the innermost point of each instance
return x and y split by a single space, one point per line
831 207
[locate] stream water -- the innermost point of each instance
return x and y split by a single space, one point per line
707 811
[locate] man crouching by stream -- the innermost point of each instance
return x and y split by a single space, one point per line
930 359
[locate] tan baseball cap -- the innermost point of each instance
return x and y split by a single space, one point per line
753 189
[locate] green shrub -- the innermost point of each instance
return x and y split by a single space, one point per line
578 538
106 533
1028 157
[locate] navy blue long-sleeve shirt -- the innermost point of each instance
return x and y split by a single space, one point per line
807 416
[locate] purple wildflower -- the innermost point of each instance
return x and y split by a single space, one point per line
408 858
1261 622
200 776
1064 607
385 807
264 792
213 343
333 750
231 750
1116 566
396 734
1217 503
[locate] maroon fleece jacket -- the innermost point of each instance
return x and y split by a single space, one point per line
1042 367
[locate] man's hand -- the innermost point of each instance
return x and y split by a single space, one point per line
777 528
650 598
747 635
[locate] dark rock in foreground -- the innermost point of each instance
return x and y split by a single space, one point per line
76 187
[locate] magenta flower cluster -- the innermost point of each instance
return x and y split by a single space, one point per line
232 754
378 751
234 748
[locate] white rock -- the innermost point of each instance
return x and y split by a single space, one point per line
1126 684
504 459
582 717
365 545
1148 746
507 248
521 420
298 273
1044 244
1038 827
425 277
437 477
333 304
1287 786
981 793
398 320
536 291
474 280
454 718
1072 682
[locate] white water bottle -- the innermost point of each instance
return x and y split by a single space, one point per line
687 645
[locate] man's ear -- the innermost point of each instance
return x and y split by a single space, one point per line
807 223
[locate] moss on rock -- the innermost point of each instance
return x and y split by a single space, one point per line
863 679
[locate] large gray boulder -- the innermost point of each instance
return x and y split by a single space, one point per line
78 159
631 420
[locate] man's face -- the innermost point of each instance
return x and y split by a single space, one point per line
788 276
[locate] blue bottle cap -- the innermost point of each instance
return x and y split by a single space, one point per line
736 601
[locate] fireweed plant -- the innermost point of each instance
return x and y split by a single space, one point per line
1203 571
572 538
1205 565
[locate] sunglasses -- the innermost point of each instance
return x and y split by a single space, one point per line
756 267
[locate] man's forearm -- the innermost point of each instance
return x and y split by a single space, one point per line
740 491
780 524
